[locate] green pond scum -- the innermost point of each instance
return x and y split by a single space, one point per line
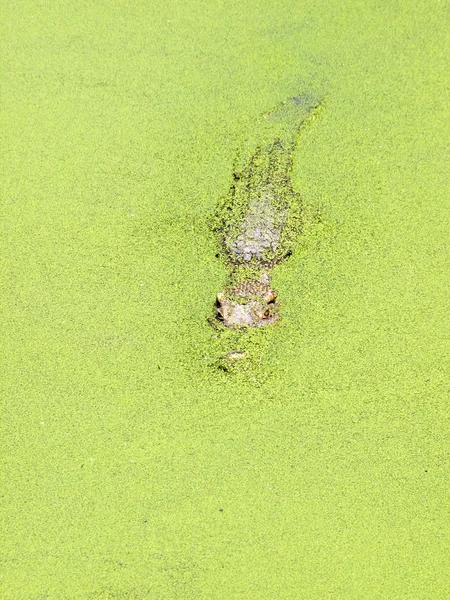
146 454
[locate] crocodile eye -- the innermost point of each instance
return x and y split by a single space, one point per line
270 297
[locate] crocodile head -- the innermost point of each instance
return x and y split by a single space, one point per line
250 304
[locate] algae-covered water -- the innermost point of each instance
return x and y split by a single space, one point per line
134 467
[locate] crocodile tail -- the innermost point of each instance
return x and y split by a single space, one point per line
285 122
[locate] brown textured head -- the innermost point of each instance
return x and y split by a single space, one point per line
249 304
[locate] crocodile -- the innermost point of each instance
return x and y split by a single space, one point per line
259 220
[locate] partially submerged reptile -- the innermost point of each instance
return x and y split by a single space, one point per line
259 220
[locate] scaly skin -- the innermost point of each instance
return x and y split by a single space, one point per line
260 219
